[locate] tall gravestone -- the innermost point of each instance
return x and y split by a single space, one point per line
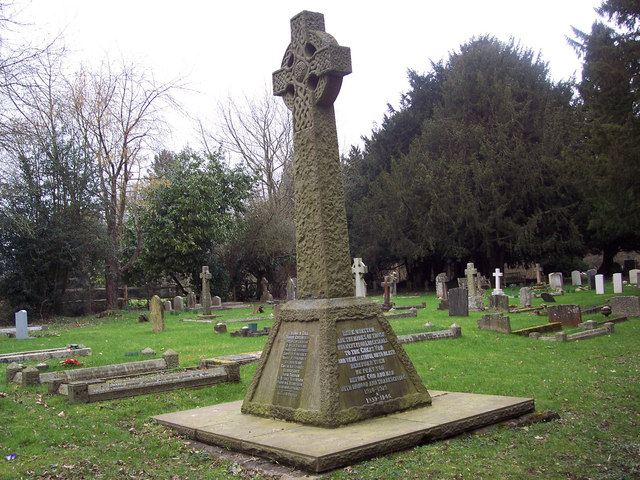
156 314
205 297
497 275
22 328
359 269
591 277
191 300
556 281
576 278
525 296
599 284
331 358
617 283
475 300
441 286
458 302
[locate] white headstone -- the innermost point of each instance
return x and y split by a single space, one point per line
617 283
497 291
576 279
633 276
359 269
600 284
556 281
22 330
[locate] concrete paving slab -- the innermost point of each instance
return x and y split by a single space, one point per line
318 449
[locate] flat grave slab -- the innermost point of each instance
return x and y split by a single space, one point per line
42 355
319 449
239 358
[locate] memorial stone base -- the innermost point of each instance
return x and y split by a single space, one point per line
330 362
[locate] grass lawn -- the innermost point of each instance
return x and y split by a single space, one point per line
593 385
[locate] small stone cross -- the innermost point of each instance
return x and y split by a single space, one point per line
309 81
205 298
359 269
497 291
470 272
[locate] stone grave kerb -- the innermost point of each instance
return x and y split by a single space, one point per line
307 372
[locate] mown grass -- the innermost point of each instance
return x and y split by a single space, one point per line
592 385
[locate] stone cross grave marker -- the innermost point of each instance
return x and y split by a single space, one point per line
205 298
470 273
394 284
538 270
22 329
312 369
617 283
359 269
441 285
497 291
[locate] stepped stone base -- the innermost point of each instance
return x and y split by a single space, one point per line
318 449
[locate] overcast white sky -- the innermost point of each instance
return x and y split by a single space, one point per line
230 48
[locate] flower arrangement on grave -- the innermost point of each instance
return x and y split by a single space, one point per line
70 362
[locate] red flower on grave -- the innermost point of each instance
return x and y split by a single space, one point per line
70 362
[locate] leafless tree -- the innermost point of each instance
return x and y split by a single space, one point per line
120 112
259 133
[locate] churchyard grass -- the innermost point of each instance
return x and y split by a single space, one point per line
591 384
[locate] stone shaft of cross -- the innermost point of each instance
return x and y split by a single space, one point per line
309 82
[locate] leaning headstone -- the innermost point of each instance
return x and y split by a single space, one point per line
156 314
576 278
359 269
568 315
178 303
547 297
496 322
441 285
617 283
600 284
633 276
556 281
205 297
191 300
458 302
526 295
498 303
591 277
309 370
626 306
22 329
216 301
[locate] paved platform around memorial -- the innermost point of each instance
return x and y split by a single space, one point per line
317 449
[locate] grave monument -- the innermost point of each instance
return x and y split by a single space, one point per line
331 358
359 269
475 299
205 297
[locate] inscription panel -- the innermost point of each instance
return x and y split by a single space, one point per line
369 371
292 364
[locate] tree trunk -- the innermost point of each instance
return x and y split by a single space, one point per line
606 268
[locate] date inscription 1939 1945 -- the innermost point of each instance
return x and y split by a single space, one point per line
366 353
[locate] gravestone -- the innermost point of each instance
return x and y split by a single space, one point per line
600 284
156 314
292 289
191 300
525 296
617 283
475 299
394 284
315 364
498 303
576 278
547 297
496 322
633 276
178 303
167 305
359 269
538 270
626 306
497 291
458 302
205 296
556 281
22 329
216 301
568 315
220 328
386 304
441 285
591 277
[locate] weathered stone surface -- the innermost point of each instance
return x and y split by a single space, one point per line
568 315
358 269
496 322
156 314
544 328
395 315
178 303
556 281
458 302
30 376
171 358
628 306
205 296
191 300
318 449
239 358
576 278
12 369
525 297
319 364
216 301
148 351
498 303
454 332
42 355
220 328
